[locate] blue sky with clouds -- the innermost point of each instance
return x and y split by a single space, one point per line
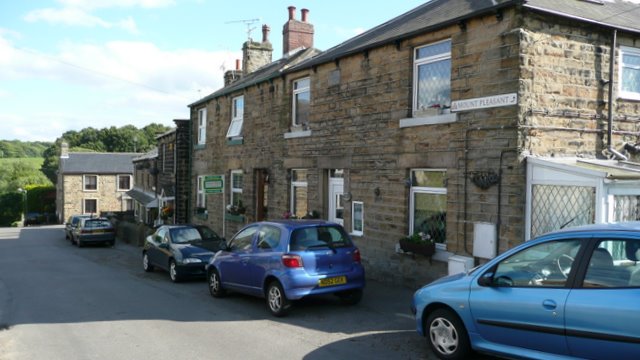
70 64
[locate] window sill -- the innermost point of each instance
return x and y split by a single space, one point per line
625 95
428 120
239 140
297 134
199 146
356 234
234 218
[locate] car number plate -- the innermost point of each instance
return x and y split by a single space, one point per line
338 280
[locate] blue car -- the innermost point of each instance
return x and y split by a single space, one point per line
569 294
181 250
288 260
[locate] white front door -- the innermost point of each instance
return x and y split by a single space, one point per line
336 201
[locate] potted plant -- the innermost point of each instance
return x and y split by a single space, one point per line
236 209
418 243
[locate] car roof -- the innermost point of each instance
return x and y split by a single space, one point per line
292 224
630 226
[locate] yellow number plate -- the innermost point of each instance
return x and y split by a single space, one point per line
338 280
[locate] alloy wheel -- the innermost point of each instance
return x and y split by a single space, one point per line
444 336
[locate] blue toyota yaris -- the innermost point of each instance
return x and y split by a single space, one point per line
287 260
569 294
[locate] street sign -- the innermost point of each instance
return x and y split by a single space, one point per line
214 184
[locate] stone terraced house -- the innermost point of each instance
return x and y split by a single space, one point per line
93 183
480 123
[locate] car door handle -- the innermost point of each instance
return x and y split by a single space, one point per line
549 304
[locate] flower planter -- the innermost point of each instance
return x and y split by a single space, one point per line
426 249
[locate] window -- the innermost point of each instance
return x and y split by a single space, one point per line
268 238
629 73
243 240
202 126
299 192
357 218
614 263
90 206
301 98
90 182
237 115
127 204
124 182
201 199
544 265
428 204
432 79
236 188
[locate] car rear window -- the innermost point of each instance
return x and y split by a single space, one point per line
97 224
318 237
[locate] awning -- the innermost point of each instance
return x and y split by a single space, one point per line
149 200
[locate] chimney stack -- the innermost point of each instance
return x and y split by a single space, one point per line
257 54
297 34
232 76
64 150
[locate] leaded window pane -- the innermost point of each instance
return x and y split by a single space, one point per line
434 85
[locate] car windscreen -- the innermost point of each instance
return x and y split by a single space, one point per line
184 235
208 234
319 237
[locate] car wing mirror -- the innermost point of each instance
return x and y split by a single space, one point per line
486 280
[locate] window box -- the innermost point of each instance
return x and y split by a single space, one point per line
426 249
234 218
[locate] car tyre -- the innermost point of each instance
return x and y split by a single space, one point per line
277 301
350 297
173 271
447 336
146 263
215 284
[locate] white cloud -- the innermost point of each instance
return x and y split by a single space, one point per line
72 16
111 84
95 4
67 16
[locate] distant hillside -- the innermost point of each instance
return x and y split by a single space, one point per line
22 149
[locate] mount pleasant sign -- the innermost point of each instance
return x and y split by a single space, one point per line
484 102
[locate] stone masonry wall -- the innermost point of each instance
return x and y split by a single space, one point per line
565 67
109 199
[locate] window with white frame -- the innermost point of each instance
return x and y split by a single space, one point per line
629 73
299 193
428 204
201 196
236 188
357 218
237 116
301 100
432 79
90 182
124 182
202 126
127 204
90 206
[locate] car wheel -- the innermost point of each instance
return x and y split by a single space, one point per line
277 301
215 285
146 264
350 297
173 271
447 336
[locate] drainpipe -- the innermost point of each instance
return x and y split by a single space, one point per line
612 60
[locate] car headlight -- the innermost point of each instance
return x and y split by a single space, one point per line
191 260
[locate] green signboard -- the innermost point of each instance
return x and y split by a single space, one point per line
214 184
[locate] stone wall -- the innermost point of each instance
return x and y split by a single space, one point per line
109 198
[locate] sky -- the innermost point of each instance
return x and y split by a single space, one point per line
72 64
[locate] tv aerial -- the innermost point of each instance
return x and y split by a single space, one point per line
248 23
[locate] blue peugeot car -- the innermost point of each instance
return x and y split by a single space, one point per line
287 260
569 294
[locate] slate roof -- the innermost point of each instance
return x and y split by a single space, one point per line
437 14
98 163
265 73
